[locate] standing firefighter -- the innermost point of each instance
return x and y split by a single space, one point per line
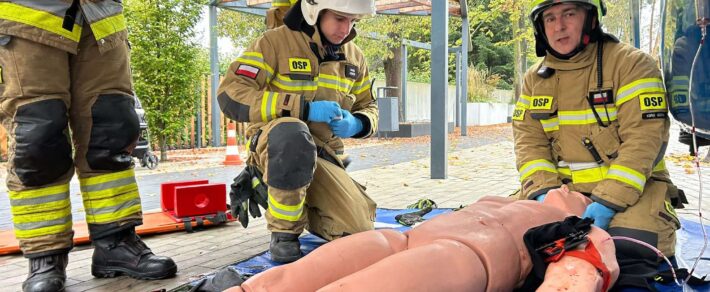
303 87
66 63
593 115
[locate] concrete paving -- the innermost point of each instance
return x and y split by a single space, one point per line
485 169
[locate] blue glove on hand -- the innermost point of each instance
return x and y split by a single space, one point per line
346 127
541 198
323 111
600 213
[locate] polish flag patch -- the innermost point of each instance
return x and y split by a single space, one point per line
248 71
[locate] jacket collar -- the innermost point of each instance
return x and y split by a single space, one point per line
583 59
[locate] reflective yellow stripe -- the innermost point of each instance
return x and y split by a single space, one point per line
274 100
38 208
661 166
523 101
31 194
256 59
268 105
335 82
113 217
591 175
286 212
362 86
39 19
110 202
288 84
634 89
534 166
550 125
586 117
108 26
108 185
49 230
104 178
280 3
42 216
628 176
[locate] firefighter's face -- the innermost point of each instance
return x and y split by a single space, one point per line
336 27
563 26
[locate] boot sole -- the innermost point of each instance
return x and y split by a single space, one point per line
111 272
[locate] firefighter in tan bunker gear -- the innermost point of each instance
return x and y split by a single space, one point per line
304 86
592 115
65 63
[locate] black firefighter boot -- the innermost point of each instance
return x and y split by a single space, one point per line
284 247
125 253
47 273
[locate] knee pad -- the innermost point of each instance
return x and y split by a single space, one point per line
42 149
114 132
630 250
292 156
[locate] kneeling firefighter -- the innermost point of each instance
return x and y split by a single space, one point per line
593 115
65 63
304 86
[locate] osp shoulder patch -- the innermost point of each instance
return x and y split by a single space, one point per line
541 103
299 65
351 71
519 114
247 70
652 101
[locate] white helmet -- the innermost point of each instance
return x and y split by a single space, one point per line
358 8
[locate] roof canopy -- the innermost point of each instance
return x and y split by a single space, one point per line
394 7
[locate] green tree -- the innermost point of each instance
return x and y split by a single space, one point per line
166 62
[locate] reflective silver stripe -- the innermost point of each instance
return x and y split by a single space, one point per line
57 8
113 209
566 118
263 64
294 83
365 82
269 102
626 175
95 11
629 92
42 224
40 200
296 213
108 185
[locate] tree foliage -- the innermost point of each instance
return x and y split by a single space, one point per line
166 62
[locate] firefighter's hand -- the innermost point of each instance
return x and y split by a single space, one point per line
323 111
346 127
601 214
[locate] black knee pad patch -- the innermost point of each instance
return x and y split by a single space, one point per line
292 156
114 132
42 150
630 250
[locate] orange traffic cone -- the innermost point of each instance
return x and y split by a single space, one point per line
232 157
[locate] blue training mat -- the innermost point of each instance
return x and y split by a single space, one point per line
689 243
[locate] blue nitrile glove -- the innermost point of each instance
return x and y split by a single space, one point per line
323 111
541 198
600 213
346 127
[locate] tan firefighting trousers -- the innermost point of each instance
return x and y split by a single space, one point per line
330 204
43 89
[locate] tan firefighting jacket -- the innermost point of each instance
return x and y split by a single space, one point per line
53 23
280 72
556 130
